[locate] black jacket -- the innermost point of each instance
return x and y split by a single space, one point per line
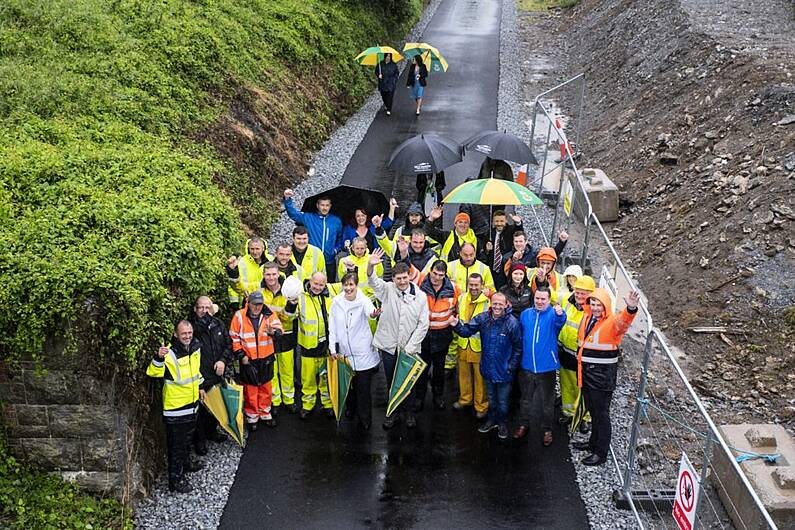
519 300
412 75
216 346
418 259
389 75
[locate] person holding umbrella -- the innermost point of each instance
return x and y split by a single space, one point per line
387 74
351 338
416 81
325 228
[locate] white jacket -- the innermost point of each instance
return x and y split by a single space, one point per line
404 320
349 331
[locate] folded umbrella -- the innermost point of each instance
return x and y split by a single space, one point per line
408 368
425 153
502 146
225 402
340 375
579 412
492 191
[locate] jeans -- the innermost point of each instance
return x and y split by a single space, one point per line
544 385
598 404
390 360
499 395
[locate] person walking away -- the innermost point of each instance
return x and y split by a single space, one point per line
501 341
351 339
453 239
216 355
517 291
387 74
253 330
498 242
574 307
598 339
442 297
471 387
325 228
244 274
305 257
541 325
430 190
403 323
418 73
180 368
311 310
283 382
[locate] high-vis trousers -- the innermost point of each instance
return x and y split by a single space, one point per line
283 379
472 389
451 359
569 392
314 375
257 402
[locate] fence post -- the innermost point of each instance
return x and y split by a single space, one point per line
580 127
703 479
546 152
633 437
557 204
533 125
585 242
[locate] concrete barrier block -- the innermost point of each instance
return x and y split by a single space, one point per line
774 483
602 193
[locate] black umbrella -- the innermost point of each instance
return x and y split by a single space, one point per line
501 146
425 153
346 199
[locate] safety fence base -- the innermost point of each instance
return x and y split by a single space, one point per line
652 500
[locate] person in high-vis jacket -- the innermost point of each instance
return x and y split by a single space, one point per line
545 275
306 258
244 274
471 387
179 365
283 257
574 308
598 339
283 383
311 310
253 330
451 240
356 262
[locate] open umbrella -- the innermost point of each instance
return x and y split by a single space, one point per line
430 56
339 383
407 370
492 191
225 402
346 199
374 55
425 153
502 146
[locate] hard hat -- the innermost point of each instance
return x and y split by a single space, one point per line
573 270
292 287
586 283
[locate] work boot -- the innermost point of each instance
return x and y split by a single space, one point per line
486 427
593 460
193 466
269 422
411 420
438 402
251 426
292 408
304 414
180 487
389 422
502 432
520 432
200 448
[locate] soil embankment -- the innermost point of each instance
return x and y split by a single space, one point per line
691 111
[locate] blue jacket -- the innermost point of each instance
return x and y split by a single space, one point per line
325 232
349 232
501 341
540 339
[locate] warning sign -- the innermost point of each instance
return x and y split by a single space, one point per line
607 283
687 491
568 197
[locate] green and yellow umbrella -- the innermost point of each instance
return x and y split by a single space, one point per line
339 384
408 368
374 55
492 191
430 56
225 402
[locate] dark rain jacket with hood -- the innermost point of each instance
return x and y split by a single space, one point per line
216 345
519 299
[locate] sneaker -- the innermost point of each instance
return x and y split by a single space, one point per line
486 427
502 432
411 421
180 487
389 422
457 405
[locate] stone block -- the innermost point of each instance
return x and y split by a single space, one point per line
88 421
98 481
29 431
602 193
52 454
773 482
101 454
9 414
50 386
12 392
31 414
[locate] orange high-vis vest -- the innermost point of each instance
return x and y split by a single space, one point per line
254 345
601 343
441 308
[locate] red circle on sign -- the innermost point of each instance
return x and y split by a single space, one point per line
687 492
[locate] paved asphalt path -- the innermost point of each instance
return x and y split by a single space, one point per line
443 474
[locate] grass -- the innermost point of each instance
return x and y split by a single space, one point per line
544 5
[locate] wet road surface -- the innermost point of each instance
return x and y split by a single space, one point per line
443 474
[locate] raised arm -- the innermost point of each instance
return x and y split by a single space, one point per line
292 212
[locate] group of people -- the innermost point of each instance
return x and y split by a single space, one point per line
387 73
484 304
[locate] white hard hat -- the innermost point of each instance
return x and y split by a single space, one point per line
292 287
573 270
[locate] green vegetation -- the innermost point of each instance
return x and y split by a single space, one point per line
543 5
32 499
112 214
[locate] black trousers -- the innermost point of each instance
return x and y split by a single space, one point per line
390 361
598 404
387 97
360 400
435 359
205 425
179 433
542 385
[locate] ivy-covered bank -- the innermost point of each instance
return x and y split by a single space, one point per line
140 140
119 192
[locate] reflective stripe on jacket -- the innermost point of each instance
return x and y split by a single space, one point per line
249 276
459 274
313 261
361 271
441 304
557 286
454 242
312 329
467 310
568 335
181 379
255 345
